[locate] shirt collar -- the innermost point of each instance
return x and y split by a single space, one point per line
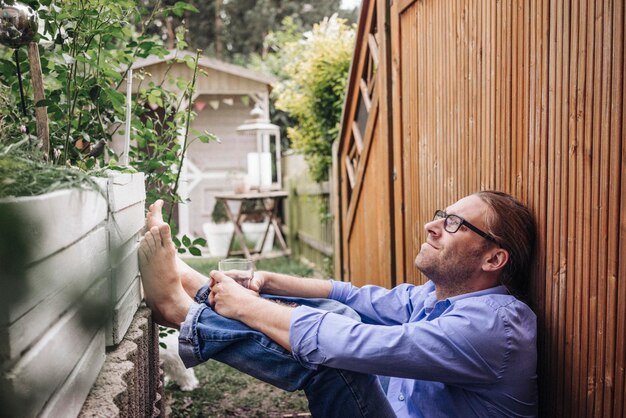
431 299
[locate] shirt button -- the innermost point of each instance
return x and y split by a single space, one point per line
401 397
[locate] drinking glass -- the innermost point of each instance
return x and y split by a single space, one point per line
240 269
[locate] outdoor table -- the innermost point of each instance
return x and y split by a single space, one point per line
269 207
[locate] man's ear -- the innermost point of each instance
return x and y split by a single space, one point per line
496 259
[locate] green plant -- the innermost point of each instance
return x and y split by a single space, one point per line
157 149
219 215
83 48
224 28
186 244
313 93
86 50
20 175
164 332
253 211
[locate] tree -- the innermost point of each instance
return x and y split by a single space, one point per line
316 67
235 30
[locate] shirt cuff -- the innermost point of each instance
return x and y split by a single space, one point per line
340 291
303 336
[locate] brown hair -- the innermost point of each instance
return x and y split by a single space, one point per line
513 226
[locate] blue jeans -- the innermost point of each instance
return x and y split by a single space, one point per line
331 392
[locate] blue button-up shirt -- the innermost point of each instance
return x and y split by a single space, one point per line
472 355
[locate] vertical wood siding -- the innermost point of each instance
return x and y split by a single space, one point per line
366 200
524 96
370 237
528 97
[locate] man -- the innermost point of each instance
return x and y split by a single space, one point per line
460 345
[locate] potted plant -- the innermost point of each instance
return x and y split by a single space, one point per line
255 224
219 231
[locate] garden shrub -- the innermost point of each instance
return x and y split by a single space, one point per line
86 48
316 71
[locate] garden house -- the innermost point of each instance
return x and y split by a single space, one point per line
446 98
224 99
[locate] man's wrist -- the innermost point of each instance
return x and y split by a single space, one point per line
265 280
273 283
247 310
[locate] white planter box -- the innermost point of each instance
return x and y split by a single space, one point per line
63 263
126 194
80 292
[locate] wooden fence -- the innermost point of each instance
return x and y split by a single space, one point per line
524 96
310 226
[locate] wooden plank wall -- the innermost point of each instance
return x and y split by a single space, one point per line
370 231
365 180
526 96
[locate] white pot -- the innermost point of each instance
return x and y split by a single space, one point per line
218 237
254 232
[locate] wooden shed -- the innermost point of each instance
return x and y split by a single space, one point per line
224 98
447 97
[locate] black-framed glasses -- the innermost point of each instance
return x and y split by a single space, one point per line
452 223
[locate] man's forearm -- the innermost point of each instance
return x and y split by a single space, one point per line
270 318
284 285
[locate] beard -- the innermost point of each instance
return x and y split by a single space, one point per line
451 268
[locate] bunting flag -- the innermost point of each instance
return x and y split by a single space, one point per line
199 105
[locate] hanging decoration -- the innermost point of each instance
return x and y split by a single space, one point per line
199 105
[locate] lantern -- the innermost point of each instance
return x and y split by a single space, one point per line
260 163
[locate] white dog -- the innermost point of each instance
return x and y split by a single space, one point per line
173 366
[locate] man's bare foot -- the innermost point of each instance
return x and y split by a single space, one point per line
163 291
155 215
190 279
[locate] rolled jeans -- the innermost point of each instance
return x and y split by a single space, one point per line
331 392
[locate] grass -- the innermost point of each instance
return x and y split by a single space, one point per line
281 265
226 392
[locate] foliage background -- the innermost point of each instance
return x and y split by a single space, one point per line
296 42
313 89
237 32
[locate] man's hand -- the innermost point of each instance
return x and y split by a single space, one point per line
258 281
282 284
234 301
227 296
243 277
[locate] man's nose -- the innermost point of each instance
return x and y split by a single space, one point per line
434 227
